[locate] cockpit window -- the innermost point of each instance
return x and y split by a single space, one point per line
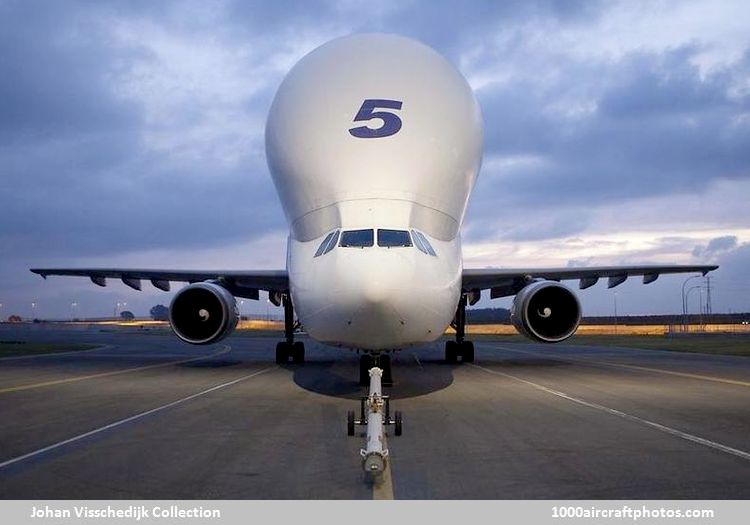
324 244
393 238
328 244
357 239
422 243
334 241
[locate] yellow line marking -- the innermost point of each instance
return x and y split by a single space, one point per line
382 489
634 367
113 373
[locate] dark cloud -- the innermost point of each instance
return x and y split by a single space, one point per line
654 125
715 246
78 175
56 75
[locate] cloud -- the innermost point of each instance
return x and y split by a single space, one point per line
614 131
715 246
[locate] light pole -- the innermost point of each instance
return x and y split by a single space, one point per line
73 306
687 298
684 301
615 313
33 311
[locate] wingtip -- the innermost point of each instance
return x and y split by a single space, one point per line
38 272
710 269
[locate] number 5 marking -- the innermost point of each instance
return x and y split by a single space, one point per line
391 121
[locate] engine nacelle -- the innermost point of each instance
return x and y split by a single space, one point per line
203 313
546 311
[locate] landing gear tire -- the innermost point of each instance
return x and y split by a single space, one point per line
365 363
298 352
350 423
451 352
282 353
398 419
467 352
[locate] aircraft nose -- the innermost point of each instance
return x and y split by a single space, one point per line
374 293
377 312
377 303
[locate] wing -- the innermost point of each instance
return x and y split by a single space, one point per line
239 283
504 282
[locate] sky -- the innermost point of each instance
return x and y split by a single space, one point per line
131 134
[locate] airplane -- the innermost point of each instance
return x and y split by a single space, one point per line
374 143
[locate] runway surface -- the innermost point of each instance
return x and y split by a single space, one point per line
146 416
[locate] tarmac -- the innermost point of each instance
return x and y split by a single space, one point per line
145 416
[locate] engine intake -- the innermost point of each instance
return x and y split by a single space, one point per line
546 311
203 313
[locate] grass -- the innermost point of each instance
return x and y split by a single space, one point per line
16 348
704 344
726 344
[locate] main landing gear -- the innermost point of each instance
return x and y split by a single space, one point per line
459 347
382 361
289 348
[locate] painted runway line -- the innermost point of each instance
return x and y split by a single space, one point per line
658 426
18 388
593 362
126 420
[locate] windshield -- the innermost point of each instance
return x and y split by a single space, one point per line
357 239
393 238
328 243
422 243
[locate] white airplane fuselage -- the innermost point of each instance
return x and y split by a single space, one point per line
370 133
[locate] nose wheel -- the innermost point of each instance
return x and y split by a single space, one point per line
382 361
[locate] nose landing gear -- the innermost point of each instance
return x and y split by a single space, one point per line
382 361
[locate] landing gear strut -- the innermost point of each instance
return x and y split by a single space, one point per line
289 348
459 347
382 361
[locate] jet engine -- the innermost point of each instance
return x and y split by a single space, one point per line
203 313
546 311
